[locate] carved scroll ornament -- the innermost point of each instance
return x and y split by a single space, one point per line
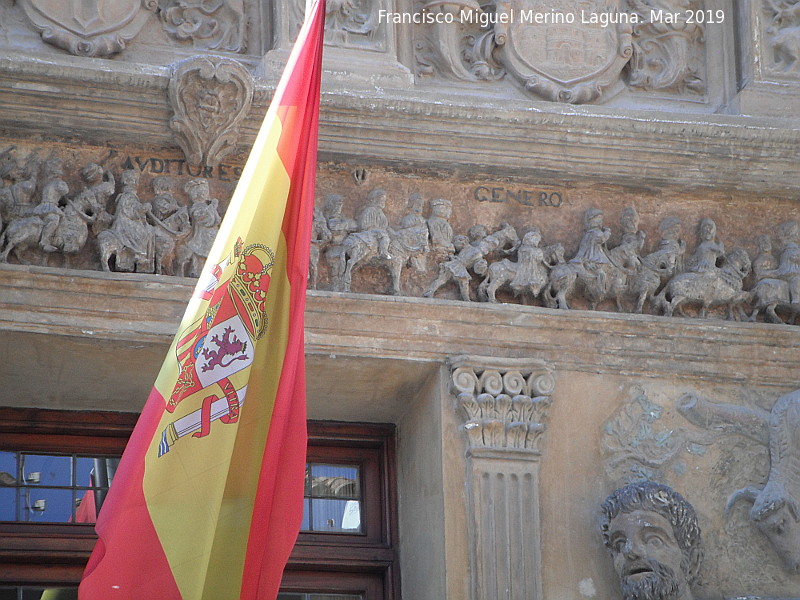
210 96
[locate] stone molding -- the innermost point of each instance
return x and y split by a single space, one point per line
147 309
745 153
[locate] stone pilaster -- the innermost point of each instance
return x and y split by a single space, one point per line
504 403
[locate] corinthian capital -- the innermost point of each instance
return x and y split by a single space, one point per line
505 402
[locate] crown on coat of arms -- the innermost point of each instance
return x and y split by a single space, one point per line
249 285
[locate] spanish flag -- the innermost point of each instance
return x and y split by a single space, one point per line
208 497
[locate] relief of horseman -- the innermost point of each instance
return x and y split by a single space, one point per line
780 288
529 275
205 220
340 227
55 224
16 198
658 267
131 239
375 240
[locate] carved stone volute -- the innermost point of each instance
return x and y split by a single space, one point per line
505 401
210 96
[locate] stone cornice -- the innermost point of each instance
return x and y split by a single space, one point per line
145 310
100 100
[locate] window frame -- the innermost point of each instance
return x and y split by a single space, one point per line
324 562
53 554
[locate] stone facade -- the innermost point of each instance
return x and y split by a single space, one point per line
561 257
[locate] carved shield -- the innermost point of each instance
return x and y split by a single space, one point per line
575 51
89 27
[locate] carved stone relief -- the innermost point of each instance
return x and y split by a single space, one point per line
667 55
564 50
781 37
103 212
349 23
206 24
210 96
775 507
725 455
420 252
653 536
89 27
504 404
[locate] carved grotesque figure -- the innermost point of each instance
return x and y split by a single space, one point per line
776 505
652 534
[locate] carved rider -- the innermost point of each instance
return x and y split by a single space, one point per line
631 234
710 251
439 227
49 209
531 274
592 248
172 221
205 218
130 226
653 536
373 220
764 263
789 264
93 199
340 227
667 259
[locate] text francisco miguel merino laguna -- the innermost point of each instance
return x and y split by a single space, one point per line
604 19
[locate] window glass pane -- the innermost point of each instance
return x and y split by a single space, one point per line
306 524
84 467
334 481
333 499
335 515
8 468
8 505
46 505
38 469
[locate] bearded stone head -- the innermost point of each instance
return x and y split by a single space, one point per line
652 534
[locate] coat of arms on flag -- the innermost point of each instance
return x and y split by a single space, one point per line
220 344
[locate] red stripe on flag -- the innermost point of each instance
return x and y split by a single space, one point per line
276 516
111 573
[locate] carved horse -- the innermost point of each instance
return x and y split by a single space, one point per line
720 287
406 246
598 281
502 273
770 294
